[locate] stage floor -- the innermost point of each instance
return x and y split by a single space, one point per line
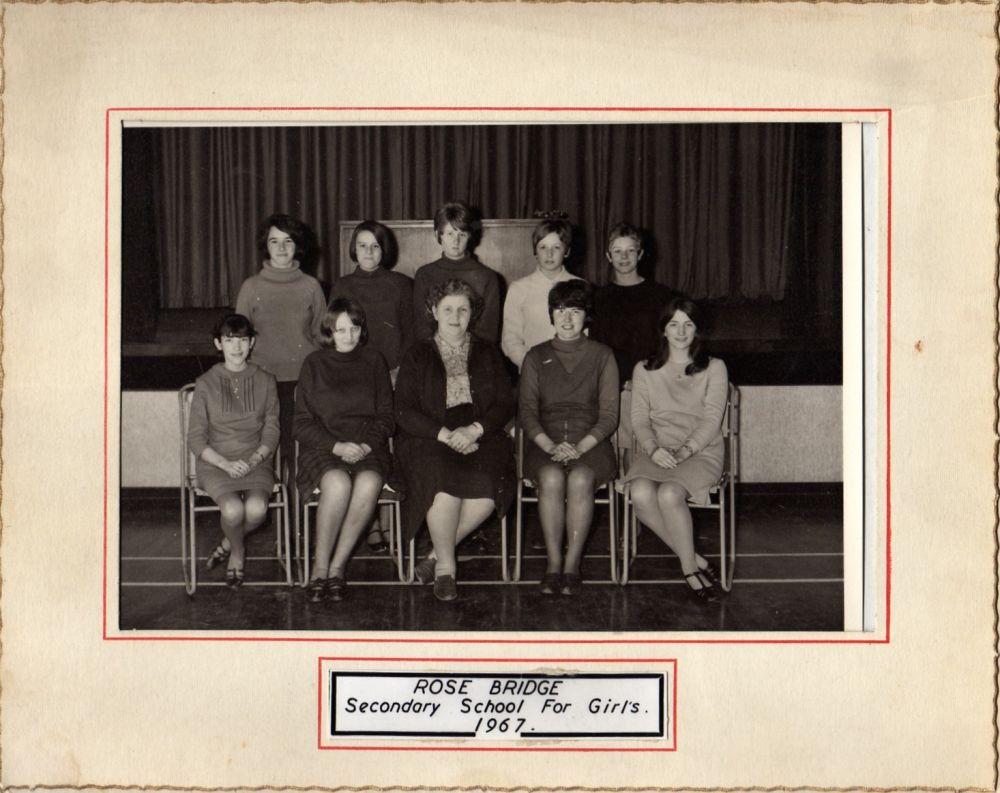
789 577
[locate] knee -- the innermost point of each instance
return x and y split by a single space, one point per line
255 509
671 495
642 491
335 482
231 510
580 483
368 482
551 480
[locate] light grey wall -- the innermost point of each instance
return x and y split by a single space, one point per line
788 434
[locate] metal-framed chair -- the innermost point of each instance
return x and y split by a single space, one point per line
387 498
527 494
195 501
722 499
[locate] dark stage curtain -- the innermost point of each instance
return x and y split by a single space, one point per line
734 211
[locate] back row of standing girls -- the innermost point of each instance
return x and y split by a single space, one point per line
350 473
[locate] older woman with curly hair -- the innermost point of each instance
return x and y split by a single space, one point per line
453 400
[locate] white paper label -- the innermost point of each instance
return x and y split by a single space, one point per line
497 707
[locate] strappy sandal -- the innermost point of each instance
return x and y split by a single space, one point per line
234 578
217 557
707 592
711 574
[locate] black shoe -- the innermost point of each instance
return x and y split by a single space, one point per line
475 544
423 571
444 587
571 583
336 588
315 589
377 541
550 584
707 591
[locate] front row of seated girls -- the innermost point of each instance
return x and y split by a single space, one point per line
454 457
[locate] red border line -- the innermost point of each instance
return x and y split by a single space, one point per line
509 108
107 163
888 391
370 640
462 748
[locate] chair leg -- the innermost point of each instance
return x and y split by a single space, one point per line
613 530
626 532
518 529
504 571
189 552
411 571
305 543
297 510
730 549
398 531
288 548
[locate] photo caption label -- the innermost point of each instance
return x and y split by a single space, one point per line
497 707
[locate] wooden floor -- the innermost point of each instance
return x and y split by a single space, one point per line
789 577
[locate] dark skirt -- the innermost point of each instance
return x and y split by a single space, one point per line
313 463
600 460
571 428
428 467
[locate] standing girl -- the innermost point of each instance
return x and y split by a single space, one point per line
286 307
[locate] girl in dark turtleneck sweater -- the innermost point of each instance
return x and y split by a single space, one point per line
343 421
456 228
385 295
568 409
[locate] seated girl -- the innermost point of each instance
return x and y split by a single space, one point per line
453 400
526 309
343 421
233 433
568 409
678 399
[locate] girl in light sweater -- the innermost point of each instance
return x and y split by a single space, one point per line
286 307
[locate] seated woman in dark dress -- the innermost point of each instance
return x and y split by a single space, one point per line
568 409
453 400
233 434
343 421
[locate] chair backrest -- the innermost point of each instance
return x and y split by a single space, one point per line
184 397
731 433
